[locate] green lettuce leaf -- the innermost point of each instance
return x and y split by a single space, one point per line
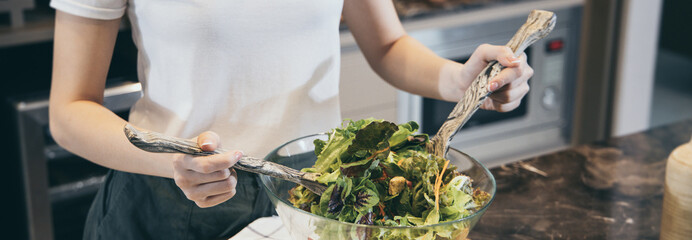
392 169
369 140
365 200
319 146
330 206
403 131
348 214
365 195
416 221
328 178
433 217
329 158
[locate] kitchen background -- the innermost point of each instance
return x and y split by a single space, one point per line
609 68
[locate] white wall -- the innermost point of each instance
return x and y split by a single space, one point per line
636 65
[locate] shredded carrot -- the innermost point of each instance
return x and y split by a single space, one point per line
384 173
400 161
378 152
381 206
438 183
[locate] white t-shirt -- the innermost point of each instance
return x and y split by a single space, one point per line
257 72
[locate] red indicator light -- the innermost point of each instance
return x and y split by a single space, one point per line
555 45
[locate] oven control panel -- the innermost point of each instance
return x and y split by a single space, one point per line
553 73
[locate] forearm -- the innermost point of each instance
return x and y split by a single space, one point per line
410 66
398 58
93 132
78 122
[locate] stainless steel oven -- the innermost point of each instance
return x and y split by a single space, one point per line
543 121
58 185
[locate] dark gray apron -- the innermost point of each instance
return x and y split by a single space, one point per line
134 206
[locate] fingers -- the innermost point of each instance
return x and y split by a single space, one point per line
216 200
211 194
509 94
208 141
212 163
506 99
216 188
486 53
516 75
507 75
207 180
192 171
509 87
191 178
500 107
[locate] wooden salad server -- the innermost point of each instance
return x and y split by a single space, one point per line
160 143
537 26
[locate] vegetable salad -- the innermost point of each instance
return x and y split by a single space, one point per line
379 173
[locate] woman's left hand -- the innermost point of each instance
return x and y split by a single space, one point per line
508 87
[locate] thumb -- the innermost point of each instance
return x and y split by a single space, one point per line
208 141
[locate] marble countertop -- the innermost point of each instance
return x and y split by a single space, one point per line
604 190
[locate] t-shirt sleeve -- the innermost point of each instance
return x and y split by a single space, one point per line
96 9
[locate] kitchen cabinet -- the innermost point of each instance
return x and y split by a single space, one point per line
363 93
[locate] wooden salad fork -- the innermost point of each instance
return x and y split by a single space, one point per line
539 24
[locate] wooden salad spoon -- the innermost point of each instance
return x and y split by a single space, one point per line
160 143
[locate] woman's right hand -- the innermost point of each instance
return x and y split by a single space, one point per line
209 180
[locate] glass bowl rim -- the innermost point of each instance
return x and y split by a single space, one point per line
264 178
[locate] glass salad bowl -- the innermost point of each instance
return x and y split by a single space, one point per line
299 154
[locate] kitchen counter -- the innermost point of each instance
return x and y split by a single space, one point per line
605 190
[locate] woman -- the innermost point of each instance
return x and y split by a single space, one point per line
248 74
